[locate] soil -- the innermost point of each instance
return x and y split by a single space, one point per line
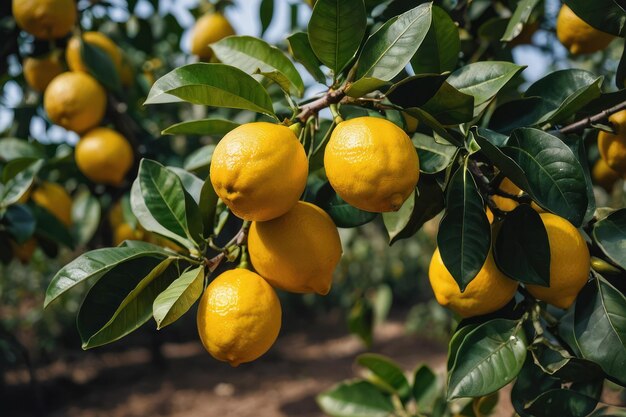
190 383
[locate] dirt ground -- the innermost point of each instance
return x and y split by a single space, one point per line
284 382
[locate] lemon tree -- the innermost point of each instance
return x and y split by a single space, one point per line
392 114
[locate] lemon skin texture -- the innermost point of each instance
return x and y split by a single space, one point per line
104 156
259 170
45 19
371 163
577 35
239 317
298 251
569 263
75 101
489 291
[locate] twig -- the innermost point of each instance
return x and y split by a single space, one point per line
485 187
237 240
314 107
588 121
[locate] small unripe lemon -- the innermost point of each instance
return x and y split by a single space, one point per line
104 156
239 317
75 101
97 39
577 35
371 163
297 251
45 19
55 199
39 71
208 29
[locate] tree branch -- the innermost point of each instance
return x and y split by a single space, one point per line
588 121
485 187
314 107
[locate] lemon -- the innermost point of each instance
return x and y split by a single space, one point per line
24 251
505 203
116 214
371 163
297 251
75 101
604 175
210 28
125 231
612 147
104 156
569 263
45 19
38 72
55 199
259 170
577 35
239 317
489 291
97 39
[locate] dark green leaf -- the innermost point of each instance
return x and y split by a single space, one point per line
397 221
610 235
96 263
391 47
19 222
425 118
562 402
208 206
522 250
13 148
433 156
455 342
100 65
490 357
336 29
209 127
303 53
49 227
266 13
450 106
253 55
604 15
200 159
386 373
355 399
416 90
518 20
361 320
16 187
425 388
216 85
620 75
364 86
342 213
464 237
176 300
191 183
440 50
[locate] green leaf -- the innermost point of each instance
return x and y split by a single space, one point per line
610 235
208 206
216 85
19 222
266 13
425 388
562 402
556 180
389 49
483 80
604 15
178 298
165 199
530 383
386 374
13 148
425 118
600 327
522 250
100 65
134 310
253 55
355 399
439 52
520 16
209 127
396 221
433 156
361 320
416 90
489 357
200 159
48 226
85 216
455 342
342 213
464 237
364 86
191 183
95 264
19 185
303 53
449 106
336 29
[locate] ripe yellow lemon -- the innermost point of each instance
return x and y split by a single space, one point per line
24 252
259 170
577 35
239 317
371 163
569 263
75 101
97 39
208 29
45 19
125 231
55 199
297 251
39 71
104 156
612 147
505 203
489 291
604 175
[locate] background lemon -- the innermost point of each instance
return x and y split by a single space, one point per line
45 19
604 175
210 28
75 101
371 163
239 317
97 39
259 170
55 199
489 291
505 203
39 71
125 231
578 36
24 251
104 156
297 251
569 263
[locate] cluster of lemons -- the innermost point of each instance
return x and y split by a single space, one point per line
74 99
260 171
